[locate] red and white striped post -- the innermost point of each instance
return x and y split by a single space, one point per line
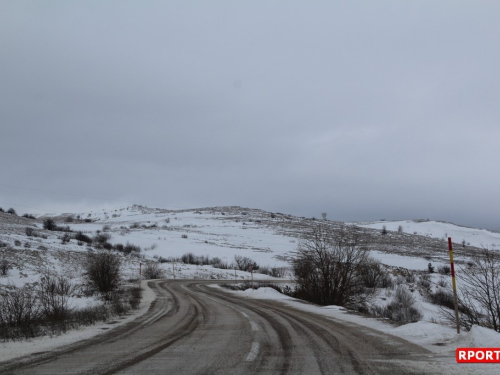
455 299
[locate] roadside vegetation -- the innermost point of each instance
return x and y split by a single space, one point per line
45 308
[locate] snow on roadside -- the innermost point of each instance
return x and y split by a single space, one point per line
13 349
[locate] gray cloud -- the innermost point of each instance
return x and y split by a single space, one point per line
366 110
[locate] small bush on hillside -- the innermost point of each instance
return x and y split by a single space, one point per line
79 236
17 243
103 272
1 209
131 249
444 270
29 216
49 224
401 310
54 294
101 238
152 270
65 239
386 281
424 281
11 211
371 272
245 263
442 298
273 271
4 267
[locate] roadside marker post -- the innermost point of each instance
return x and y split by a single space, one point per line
455 299
251 273
140 274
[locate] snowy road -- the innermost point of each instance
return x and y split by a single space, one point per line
195 329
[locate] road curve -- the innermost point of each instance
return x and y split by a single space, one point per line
192 328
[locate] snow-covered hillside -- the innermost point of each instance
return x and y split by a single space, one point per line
442 230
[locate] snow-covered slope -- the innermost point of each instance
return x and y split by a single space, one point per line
442 230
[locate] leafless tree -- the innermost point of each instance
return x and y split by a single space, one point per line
479 292
328 266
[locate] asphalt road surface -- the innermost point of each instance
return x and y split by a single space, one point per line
192 328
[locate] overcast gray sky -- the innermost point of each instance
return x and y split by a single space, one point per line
362 109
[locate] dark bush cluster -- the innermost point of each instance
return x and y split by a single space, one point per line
245 263
12 211
50 224
4 267
79 236
29 216
102 272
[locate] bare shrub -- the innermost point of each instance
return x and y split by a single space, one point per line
385 281
327 267
103 272
79 236
371 272
442 298
245 263
101 238
444 270
4 267
184 236
402 308
19 312
273 271
152 270
29 231
53 294
11 211
442 282
131 249
410 278
49 224
424 281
